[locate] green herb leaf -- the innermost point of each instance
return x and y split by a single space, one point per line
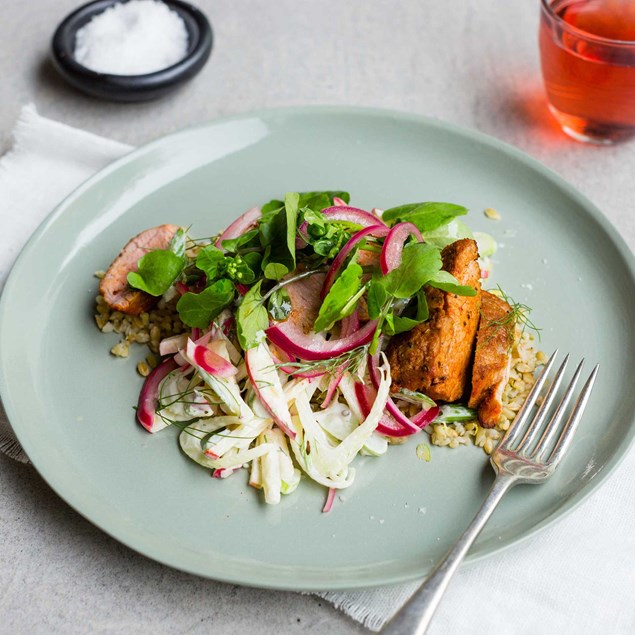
279 304
253 260
376 299
199 309
251 318
211 261
157 272
394 324
419 263
341 299
447 282
426 216
232 245
423 312
277 235
317 201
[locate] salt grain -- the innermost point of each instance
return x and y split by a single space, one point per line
135 38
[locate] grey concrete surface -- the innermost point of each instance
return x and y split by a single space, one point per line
472 62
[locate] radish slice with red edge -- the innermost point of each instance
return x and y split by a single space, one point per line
349 324
394 244
350 214
241 225
170 345
292 339
209 361
333 384
149 397
343 213
423 418
266 384
376 230
391 406
330 497
387 425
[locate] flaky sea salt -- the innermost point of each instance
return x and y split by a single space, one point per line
132 38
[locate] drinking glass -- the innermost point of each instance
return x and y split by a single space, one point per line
587 50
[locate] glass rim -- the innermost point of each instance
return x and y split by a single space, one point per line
547 7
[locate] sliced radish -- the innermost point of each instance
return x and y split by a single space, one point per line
149 397
241 225
333 384
209 361
419 421
170 345
350 214
373 230
292 339
350 324
329 500
388 425
264 378
394 244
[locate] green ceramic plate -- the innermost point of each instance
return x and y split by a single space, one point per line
70 402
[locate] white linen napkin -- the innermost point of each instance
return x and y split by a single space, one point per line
576 577
57 158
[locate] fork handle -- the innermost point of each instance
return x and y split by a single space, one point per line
415 616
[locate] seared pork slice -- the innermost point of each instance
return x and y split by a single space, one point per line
119 295
434 357
492 358
305 300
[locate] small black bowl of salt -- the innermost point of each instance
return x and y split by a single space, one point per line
131 50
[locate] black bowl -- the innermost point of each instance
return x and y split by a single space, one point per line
131 87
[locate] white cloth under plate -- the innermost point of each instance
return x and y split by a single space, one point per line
577 577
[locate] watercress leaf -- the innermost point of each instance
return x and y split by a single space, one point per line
402 324
341 299
232 245
251 318
376 299
211 261
279 304
319 200
426 216
447 282
199 309
177 244
272 207
419 263
388 324
253 260
157 271
274 270
423 313
238 269
278 236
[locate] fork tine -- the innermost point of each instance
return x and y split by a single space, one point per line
574 419
543 410
554 423
525 409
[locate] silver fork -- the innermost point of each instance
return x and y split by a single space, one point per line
519 458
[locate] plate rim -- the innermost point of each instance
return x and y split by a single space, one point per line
267 113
